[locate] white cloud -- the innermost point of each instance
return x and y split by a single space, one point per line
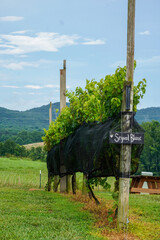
145 61
36 87
52 86
147 32
20 32
93 42
20 65
19 43
33 93
43 41
10 86
11 19
33 87
140 62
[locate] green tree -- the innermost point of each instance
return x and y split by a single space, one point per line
37 154
1 149
9 147
20 151
150 157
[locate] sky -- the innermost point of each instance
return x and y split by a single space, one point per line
37 35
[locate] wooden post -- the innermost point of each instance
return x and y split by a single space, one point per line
84 186
74 183
50 113
50 120
56 178
125 158
63 86
65 182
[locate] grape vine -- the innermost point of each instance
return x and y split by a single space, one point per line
96 102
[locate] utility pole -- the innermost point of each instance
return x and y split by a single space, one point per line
64 181
127 110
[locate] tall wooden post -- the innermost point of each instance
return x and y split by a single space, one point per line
50 113
127 109
84 185
63 86
56 178
64 181
50 120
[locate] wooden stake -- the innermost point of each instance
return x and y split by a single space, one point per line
84 186
65 182
50 113
50 120
125 158
63 86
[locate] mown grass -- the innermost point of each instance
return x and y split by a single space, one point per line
29 214
42 215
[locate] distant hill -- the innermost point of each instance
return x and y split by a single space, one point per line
38 118
33 119
148 114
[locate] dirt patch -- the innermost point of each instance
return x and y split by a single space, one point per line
105 220
29 146
34 189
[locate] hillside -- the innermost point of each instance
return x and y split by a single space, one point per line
148 114
38 118
25 127
33 119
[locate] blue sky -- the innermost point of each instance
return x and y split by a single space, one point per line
37 35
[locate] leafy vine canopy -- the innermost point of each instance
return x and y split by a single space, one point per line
98 101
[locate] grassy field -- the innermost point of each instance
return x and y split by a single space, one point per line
22 173
36 214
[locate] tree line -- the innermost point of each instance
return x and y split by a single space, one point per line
150 157
21 137
10 148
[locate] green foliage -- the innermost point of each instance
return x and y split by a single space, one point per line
150 156
20 137
10 148
37 153
97 102
94 182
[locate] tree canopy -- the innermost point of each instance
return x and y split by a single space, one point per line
150 156
96 102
